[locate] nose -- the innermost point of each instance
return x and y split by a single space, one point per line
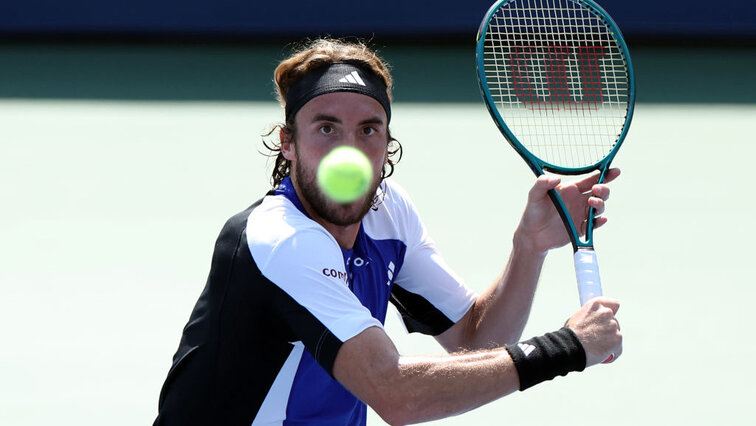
349 139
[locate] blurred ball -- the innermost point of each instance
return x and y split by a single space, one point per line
345 174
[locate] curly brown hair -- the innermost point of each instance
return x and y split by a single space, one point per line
307 57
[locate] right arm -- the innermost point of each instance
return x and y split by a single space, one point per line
409 389
500 313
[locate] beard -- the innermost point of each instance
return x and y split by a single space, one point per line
333 212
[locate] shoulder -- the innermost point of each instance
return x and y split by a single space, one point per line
276 231
395 195
277 218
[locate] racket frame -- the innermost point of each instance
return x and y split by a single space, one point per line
538 166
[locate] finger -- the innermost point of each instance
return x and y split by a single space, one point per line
601 191
543 184
607 302
599 221
615 353
599 206
611 174
585 184
612 304
612 357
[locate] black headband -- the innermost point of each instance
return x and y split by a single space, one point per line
336 77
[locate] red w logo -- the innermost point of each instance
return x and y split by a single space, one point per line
555 69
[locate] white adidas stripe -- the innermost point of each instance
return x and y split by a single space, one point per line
357 77
526 348
353 78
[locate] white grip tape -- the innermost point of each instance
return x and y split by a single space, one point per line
589 281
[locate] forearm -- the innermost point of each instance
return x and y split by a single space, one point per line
501 312
413 389
511 296
451 385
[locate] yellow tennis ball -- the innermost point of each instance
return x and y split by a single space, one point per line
345 174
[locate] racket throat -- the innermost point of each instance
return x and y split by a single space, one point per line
561 208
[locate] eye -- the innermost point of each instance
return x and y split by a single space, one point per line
326 129
368 131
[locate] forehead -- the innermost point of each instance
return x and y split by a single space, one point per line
343 105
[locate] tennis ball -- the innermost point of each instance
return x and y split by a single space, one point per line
345 174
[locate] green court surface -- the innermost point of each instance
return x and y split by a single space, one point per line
111 206
422 73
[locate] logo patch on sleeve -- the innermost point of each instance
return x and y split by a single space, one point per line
332 273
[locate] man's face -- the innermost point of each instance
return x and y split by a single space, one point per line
327 122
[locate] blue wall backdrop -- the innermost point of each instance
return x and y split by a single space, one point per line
387 18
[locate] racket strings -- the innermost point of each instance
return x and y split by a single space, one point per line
558 78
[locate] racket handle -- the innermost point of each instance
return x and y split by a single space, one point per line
586 269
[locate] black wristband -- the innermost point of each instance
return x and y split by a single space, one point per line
545 357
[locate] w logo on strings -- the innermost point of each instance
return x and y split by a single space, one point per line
540 74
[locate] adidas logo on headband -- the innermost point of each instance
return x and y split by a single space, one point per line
353 78
336 77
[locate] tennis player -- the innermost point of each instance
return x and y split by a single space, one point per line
289 328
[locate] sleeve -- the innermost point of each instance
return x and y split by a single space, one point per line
306 264
429 295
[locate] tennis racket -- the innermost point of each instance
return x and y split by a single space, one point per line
557 80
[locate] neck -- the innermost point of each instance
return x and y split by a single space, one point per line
345 235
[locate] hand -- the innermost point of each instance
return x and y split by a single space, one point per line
598 330
541 228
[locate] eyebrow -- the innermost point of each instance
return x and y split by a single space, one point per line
324 117
372 120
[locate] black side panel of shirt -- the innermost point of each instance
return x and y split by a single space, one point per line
236 340
418 314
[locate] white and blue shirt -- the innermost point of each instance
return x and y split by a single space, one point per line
281 299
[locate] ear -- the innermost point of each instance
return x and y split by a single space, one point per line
384 163
287 146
